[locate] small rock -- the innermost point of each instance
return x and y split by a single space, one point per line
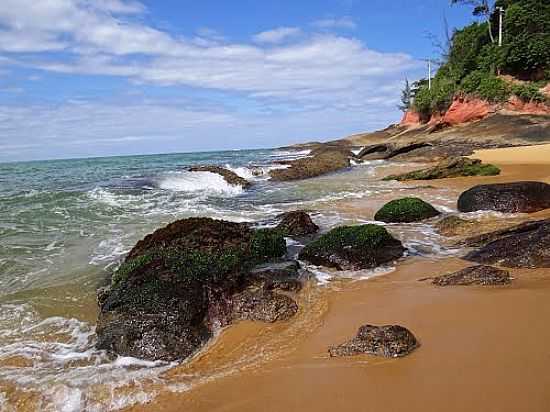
296 223
454 226
390 341
230 177
406 210
475 275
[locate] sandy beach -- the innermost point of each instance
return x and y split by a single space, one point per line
482 348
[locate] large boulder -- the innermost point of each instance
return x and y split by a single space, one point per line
390 341
452 167
406 210
182 282
517 197
296 223
229 176
476 275
321 161
523 246
353 248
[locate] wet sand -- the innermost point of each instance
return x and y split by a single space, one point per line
482 348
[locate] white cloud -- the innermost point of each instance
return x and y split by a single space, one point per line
277 35
296 78
340 23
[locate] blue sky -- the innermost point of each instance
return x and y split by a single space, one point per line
81 78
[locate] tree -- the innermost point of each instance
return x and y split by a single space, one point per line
406 97
481 8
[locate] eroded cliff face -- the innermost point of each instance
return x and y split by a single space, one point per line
469 109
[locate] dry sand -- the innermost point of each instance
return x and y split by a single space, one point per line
482 348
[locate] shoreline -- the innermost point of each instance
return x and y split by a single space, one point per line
459 328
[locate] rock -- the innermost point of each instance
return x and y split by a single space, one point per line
390 341
455 226
388 151
230 177
320 162
296 223
475 275
179 283
405 210
517 197
353 248
279 276
264 306
452 167
523 246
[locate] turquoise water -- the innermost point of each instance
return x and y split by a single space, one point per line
66 224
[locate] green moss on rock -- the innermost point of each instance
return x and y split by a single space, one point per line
267 243
408 209
353 247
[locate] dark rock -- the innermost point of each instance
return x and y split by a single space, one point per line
390 341
263 305
353 248
283 276
453 167
389 151
405 210
475 275
296 223
454 226
321 161
517 197
179 283
230 177
523 246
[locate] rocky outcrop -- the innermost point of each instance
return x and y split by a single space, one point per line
230 177
452 167
283 276
410 118
517 197
406 210
353 248
524 246
182 282
475 275
296 223
390 341
515 104
389 151
321 161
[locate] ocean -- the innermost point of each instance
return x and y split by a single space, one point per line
65 225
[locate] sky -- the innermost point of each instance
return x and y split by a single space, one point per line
85 78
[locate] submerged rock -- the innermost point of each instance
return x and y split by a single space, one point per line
321 161
353 248
523 246
296 223
517 197
452 167
230 177
406 210
475 275
390 341
455 226
181 282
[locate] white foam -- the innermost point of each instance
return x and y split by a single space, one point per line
204 182
324 275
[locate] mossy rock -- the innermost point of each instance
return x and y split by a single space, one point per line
406 210
353 248
452 167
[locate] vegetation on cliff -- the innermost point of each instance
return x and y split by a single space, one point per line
474 63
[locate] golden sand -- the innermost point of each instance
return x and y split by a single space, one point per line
482 348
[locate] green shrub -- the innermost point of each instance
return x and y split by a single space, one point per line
485 86
528 92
